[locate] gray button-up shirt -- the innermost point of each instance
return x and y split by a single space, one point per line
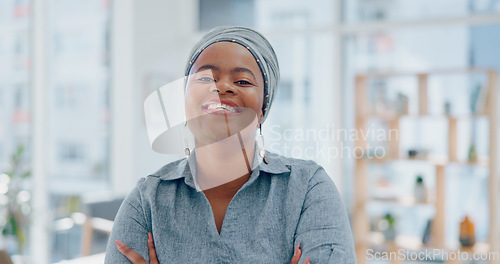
285 202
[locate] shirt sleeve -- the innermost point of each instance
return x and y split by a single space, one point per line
130 227
323 231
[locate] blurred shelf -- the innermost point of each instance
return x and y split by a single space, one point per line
404 201
364 112
393 117
377 240
395 74
435 160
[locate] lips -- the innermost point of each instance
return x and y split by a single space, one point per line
221 107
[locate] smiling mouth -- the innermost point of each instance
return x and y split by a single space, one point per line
215 108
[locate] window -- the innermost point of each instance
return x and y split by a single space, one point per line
68 96
79 83
71 152
1 152
400 10
78 138
14 77
237 12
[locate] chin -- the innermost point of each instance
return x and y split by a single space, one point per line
208 129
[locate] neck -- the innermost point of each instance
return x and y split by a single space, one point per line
224 166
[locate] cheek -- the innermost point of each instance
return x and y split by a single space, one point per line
197 90
190 101
259 98
255 102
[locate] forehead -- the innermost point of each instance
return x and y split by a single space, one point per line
227 55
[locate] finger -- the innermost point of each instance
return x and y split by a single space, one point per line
129 253
152 250
307 261
296 255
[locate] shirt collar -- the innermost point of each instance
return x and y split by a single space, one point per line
183 169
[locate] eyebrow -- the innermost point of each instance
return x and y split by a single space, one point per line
243 69
215 68
208 67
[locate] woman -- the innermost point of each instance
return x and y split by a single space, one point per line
230 201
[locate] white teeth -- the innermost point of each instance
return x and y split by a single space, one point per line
221 107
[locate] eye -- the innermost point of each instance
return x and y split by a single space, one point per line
206 79
243 82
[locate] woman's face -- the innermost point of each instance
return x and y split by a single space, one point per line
224 93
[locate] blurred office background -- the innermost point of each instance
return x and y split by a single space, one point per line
74 75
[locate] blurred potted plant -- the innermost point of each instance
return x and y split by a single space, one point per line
14 195
388 227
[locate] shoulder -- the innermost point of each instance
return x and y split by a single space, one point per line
305 170
310 181
307 178
171 171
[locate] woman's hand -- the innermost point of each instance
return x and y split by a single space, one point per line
134 256
297 253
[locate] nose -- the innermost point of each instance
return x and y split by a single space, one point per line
223 87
